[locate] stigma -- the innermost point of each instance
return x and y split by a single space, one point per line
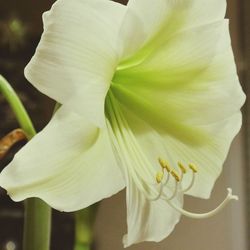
167 174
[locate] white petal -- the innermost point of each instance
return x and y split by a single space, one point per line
199 11
188 92
208 156
148 220
192 81
77 55
164 17
70 165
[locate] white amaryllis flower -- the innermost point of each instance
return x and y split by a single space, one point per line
138 82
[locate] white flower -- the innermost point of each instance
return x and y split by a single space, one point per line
138 82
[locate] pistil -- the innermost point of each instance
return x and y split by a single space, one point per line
211 213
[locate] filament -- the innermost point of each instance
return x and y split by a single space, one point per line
190 185
155 198
174 193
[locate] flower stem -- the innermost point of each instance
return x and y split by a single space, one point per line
37 225
22 117
37 219
84 220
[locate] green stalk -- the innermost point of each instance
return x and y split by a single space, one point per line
37 218
84 220
21 115
37 225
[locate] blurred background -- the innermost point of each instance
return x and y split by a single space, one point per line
20 31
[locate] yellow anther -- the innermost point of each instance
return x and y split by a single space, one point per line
182 167
164 164
175 175
193 167
159 177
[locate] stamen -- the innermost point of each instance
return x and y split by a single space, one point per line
175 175
215 211
182 167
160 191
193 167
174 193
155 198
164 164
159 177
191 183
178 179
